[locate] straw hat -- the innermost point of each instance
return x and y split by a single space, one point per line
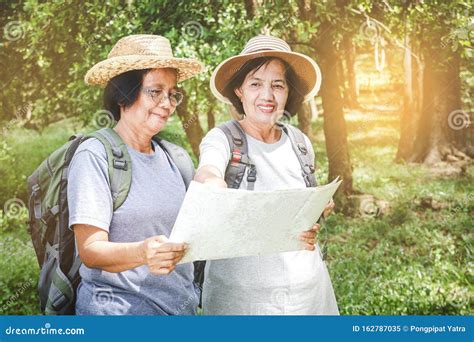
305 68
141 51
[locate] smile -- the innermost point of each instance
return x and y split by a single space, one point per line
266 108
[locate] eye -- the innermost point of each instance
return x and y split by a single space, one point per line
156 92
279 86
254 84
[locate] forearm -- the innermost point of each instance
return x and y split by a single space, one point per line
210 174
113 256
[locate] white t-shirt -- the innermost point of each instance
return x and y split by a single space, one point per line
285 283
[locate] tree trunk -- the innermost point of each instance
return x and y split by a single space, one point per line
349 54
250 6
432 140
191 125
335 130
458 119
408 114
304 121
342 81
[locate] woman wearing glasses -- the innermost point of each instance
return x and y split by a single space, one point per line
128 266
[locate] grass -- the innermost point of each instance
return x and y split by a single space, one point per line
413 260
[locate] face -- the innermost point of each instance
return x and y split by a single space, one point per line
264 93
145 114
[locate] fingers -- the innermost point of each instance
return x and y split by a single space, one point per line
309 237
162 255
163 267
329 207
162 270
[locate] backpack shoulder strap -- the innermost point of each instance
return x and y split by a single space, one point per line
298 143
239 158
180 157
119 163
302 152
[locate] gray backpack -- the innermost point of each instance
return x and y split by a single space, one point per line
240 165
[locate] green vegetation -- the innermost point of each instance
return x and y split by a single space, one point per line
412 260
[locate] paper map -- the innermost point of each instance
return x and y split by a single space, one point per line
220 223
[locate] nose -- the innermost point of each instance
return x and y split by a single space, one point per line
165 102
267 93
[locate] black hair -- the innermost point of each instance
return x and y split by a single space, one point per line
123 90
295 93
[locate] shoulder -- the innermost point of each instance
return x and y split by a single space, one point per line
91 151
92 146
216 133
215 136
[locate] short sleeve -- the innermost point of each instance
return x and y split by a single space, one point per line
214 150
88 192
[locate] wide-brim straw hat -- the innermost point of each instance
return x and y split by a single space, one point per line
141 51
306 69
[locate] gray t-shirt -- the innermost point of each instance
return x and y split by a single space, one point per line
156 194
290 283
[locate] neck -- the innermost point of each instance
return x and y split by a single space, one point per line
135 138
267 133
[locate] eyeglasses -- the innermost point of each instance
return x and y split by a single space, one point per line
158 95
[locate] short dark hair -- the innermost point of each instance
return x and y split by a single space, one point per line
295 93
123 90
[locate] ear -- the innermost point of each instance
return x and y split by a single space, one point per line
238 92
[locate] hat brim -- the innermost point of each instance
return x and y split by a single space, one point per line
306 69
101 73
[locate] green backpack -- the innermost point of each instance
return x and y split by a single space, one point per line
53 241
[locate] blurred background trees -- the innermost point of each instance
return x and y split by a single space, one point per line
48 47
393 118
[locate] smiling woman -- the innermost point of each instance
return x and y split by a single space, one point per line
263 82
124 249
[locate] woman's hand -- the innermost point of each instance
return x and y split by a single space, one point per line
328 209
160 255
309 237
217 182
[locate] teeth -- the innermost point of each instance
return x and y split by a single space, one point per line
266 108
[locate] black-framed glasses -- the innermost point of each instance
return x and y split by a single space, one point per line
158 95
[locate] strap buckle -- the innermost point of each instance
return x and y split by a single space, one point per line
252 174
308 169
120 164
236 157
302 148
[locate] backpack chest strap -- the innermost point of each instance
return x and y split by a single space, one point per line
239 162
